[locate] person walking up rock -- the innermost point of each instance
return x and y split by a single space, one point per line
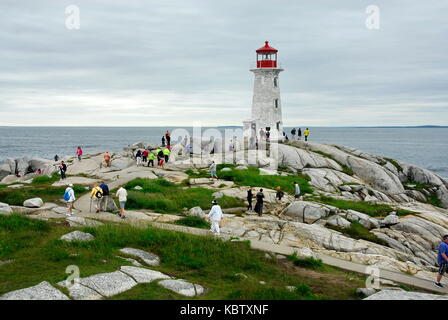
279 195
69 197
296 190
442 261
215 216
213 170
259 203
96 196
63 169
122 195
250 196
105 198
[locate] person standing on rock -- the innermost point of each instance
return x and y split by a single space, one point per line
145 154
107 159
96 195
160 158
213 170
250 196
79 152
151 158
163 141
138 157
166 154
442 260
259 203
122 195
299 134
296 190
105 198
306 133
168 137
293 133
215 216
62 169
69 197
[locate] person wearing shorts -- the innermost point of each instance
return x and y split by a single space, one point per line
442 260
122 195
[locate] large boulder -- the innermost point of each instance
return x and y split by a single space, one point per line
362 218
306 211
77 236
298 159
338 221
391 219
5 170
196 212
33 203
5 208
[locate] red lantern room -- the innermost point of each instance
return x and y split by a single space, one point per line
267 57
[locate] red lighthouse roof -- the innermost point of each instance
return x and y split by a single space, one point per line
267 49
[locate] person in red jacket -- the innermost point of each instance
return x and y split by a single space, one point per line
145 155
79 153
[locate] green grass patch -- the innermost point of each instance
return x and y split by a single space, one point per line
308 263
163 196
371 209
395 164
195 222
432 199
44 179
358 231
39 255
252 178
47 193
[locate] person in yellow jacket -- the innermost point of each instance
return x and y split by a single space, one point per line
166 154
151 158
306 133
96 196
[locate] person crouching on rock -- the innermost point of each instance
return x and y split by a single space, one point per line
96 196
259 203
279 195
215 216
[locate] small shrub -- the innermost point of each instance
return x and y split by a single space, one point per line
41 179
195 222
309 263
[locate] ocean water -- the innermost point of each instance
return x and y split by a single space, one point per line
425 147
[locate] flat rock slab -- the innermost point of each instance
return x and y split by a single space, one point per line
82 222
142 275
75 180
77 236
404 295
183 287
109 284
63 210
80 292
42 291
15 186
133 261
148 258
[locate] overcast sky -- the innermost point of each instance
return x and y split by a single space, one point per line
173 62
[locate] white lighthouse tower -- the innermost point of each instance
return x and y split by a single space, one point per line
266 105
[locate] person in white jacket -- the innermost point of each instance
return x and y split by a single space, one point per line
71 199
215 216
122 195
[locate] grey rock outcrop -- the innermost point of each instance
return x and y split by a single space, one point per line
404 295
5 208
183 287
142 275
77 236
196 212
306 211
42 291
148 258
33 203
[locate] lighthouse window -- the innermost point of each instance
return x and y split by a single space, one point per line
275 82
276 103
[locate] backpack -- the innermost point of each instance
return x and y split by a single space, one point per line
98 194
67 196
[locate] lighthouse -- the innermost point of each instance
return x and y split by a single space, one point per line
266 113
